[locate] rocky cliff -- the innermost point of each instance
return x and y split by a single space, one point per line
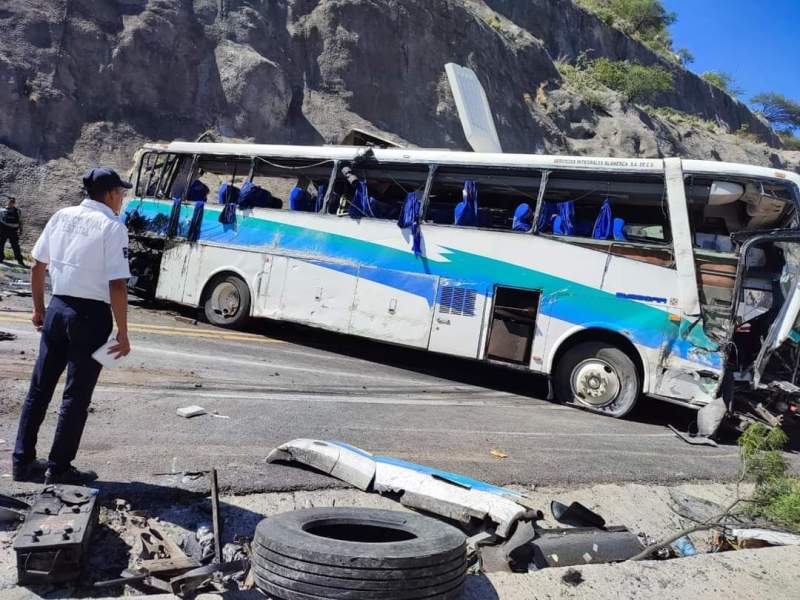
86 81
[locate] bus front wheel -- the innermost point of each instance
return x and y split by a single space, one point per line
599 377
227 302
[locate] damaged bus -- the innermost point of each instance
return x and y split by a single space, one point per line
617 278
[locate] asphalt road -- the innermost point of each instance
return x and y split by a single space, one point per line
278 382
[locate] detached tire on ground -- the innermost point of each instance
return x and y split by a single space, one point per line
358 554
599 377
226 302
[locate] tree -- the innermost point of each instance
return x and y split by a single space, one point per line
723 81
782 113
645 20
684 56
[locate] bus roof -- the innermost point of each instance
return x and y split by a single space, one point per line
455 158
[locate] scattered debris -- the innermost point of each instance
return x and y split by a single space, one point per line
583 545
188 412
683 546
216 415
7 337
52 544
416 486
12 509
572 577
576 515
769 537
498 453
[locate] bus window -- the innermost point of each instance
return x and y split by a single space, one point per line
485 198
162 175
266 183
591 206
719 208
375 191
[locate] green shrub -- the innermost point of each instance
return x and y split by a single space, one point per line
644 20
723 81
580 81
777 494
678 117
592 77
637 82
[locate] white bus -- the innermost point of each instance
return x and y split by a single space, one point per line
616 278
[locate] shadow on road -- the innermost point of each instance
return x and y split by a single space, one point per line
510 380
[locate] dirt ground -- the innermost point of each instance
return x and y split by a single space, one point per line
769 572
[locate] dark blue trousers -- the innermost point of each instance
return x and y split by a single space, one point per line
73 329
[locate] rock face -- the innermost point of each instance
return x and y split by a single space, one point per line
85 82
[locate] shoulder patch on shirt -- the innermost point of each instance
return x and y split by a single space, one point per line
125 253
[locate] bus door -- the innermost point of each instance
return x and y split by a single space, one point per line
458 318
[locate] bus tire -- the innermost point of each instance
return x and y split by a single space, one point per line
227 302
598 377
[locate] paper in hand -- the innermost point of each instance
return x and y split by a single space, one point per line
102 356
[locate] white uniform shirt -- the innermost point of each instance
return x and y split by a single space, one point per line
84 247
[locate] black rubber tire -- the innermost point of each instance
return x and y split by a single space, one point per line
407 576
619 361
306 555
241 316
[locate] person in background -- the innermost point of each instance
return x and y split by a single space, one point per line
85 250
11 229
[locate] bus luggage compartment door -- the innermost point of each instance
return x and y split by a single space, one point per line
513 323
458 318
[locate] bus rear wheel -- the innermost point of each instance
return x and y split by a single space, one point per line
227 302
599 377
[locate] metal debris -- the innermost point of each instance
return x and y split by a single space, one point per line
188 412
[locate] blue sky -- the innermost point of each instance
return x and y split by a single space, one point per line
756 41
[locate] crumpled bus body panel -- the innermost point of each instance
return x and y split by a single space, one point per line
440 492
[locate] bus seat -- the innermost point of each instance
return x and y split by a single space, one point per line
466 211
362 203
228 193
253 196
564 222
603 223
319 198
545 221
618 229
197 191
523 218
301 200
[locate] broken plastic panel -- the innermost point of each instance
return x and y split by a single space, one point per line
473 109
439 492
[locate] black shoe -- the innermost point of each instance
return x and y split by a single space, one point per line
71 475
32 471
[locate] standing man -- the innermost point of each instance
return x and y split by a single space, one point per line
11 229
85 249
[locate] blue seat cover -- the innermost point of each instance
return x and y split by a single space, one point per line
545 221
564 223
227 193
409 217
466 211
523 218
602 225
362 204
